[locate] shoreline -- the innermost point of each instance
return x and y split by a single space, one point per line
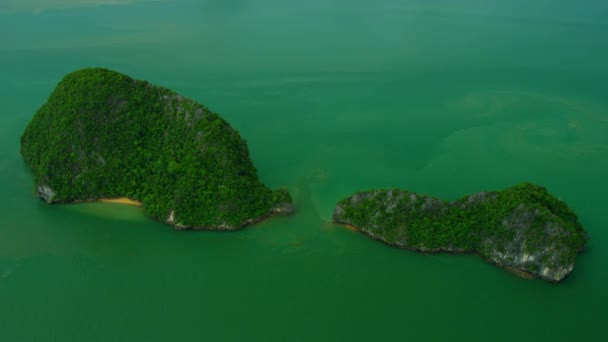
248 223
120 200
524 274
348 226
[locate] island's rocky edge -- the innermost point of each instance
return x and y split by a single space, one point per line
103 134
523 228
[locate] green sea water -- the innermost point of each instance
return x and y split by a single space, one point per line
441 97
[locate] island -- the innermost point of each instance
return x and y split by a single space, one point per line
523 228
103 135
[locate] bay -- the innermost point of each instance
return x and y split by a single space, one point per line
440 97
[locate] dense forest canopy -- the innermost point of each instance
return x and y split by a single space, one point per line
102 134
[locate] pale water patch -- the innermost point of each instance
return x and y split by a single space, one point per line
40 6
112 211
532 125
5 273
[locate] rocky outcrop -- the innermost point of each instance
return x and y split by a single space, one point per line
283 206
46 193
522 228
103 134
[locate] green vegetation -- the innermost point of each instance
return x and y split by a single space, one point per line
102 134
506 227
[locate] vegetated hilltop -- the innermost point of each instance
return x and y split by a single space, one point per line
102 134
522 228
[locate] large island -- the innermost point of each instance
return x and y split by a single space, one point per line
522 228
102 134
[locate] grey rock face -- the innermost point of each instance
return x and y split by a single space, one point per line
546 261
284 208
45 192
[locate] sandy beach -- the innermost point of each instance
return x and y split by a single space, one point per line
120 200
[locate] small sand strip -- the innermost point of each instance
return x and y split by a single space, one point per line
347 226
120 200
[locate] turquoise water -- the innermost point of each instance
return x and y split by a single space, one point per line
441 97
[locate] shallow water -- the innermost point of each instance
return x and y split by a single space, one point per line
442 97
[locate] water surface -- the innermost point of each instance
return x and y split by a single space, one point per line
442 97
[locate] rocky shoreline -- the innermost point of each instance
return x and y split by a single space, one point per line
522 229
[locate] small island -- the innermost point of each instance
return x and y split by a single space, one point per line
522 228
104 135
